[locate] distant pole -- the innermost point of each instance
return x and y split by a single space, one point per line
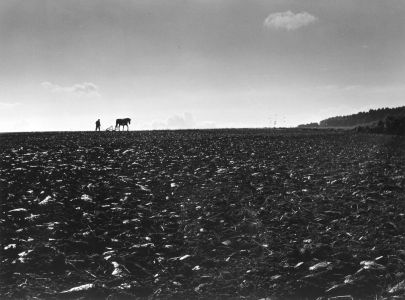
273 120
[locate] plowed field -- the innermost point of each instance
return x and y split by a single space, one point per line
282 214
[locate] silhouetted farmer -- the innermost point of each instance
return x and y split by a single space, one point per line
98 125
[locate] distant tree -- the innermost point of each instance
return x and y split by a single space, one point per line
395 125
309 125
390 125
373 115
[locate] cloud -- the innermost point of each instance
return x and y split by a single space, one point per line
6 105
85 88
176 122
208 124
288 20
185 121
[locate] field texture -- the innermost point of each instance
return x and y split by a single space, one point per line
202 214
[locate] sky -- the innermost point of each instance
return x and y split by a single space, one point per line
196 63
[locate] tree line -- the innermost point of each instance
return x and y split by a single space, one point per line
382 120
361 118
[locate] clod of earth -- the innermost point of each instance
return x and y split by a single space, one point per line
255 214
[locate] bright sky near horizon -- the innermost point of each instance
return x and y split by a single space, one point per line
197 63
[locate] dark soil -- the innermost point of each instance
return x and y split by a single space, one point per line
202 215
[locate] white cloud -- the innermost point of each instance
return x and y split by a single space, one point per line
85 88
208 124
155 125
288 20
6 105
176 122
185 121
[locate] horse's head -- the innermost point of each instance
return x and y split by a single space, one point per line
129 121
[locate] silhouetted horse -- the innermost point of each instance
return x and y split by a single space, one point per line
122 122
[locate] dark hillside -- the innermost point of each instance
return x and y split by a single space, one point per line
373 115
390 125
